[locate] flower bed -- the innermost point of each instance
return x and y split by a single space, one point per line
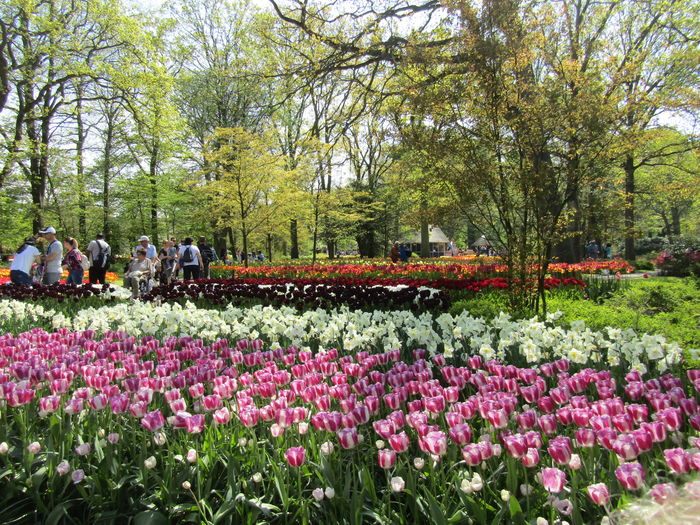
59 292
183 429
110 277
305 293
449 270
519 342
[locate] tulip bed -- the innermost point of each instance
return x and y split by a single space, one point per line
110 277
305 293
104 427
450 269
58 292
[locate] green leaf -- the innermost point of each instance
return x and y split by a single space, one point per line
150 517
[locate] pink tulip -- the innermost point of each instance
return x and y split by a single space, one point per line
34 447
560 450
630 475
531 458
153 421
436 443
678 460
222 416
472 454
526 419
662 492
671 417
625 446
461 434
387 458
348 438
657 430
399 442
77 476
49 404
295 456
212 402
516 445
599 493
498 418
553 479
195 424
249 417
83 449
384 428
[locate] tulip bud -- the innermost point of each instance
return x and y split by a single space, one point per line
318 494
397 484
63 468
186 485
149 462
77 476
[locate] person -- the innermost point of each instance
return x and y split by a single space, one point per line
72 261
176 269
403 253
99 253
189 259
52 259
261 256
25 256
208 256
608 251
141 270
145 243
167 256
395 253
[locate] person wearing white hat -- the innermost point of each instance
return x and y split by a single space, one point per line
145 242
54 256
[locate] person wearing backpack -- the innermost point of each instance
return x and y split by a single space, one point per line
190 260
208 256
73 261
53 257
100 254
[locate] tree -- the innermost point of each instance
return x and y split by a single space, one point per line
48 48
250 186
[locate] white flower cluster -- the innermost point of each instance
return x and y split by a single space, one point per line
528 340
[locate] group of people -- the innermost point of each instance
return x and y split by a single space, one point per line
148 265
400 252
31 265
164 265
252 256
595 251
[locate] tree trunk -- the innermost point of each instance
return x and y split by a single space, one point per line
244 236
106 176
153 181
80 167
269 247
424 230
294 238
630 254
675 220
